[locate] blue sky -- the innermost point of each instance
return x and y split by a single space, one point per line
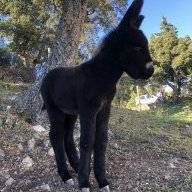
177 12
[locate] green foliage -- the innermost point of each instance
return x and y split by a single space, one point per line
183 55
161 46
168 95
102 16
30 26
125 87
170 122
172 56
131 102
176 111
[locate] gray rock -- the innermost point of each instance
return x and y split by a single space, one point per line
116 146
2 154
4 189
31 144
10 181
39 128
37 136
172 166
20 147
27 182
167 176
110 134
8 108
45 187
27 162
186 129
5 175
46 143
51 152
105 189
85 190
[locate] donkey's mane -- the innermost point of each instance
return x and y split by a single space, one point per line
105 42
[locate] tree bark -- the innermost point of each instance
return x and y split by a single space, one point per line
175 90
64 52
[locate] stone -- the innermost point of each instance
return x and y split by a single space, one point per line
77 135
27 162
110 134
2 154
31 144
168 176
27 182
45 187
20 147
116 145
172 166
69 182
51 152
46 143
10 181
8 107
37 136
105 189
39 128
5 175
85 190
186 129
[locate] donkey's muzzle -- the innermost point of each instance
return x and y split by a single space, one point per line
149 70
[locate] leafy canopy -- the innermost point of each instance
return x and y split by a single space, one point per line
172 55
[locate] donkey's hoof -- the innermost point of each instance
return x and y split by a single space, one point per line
105 189
85 190
69 182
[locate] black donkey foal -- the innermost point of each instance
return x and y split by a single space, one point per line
87 90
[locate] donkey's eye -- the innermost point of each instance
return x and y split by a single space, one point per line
138 48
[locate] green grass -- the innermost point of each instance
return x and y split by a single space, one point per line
158 136
7 90
176 111
168 125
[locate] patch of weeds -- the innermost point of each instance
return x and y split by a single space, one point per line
26 115
152 131
188 182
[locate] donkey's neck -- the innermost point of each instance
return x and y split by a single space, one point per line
107 67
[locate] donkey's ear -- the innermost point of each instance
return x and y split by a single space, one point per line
132 14
139 21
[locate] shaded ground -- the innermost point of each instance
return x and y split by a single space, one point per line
147 152
135 162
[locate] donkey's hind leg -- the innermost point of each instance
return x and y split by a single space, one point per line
56 134
100 147
69 141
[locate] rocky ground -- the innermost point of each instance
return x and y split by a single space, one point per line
27 162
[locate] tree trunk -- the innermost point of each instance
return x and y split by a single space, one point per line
63 53
175 90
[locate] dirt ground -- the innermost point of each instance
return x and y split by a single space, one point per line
131 166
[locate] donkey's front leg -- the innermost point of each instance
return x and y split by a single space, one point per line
100 147
87 140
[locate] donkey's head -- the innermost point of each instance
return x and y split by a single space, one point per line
134 53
